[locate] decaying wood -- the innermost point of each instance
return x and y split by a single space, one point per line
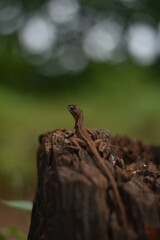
75 201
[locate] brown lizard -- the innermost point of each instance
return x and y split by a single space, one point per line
83 138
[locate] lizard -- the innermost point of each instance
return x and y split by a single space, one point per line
83 138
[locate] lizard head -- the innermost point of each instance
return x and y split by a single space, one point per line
75 110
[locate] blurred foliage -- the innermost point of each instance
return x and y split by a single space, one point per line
123 97
22 205
11 233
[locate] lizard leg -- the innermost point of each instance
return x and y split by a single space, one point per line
101 145
90 133
71 134
77 143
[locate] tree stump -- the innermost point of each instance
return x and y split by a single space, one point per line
75 201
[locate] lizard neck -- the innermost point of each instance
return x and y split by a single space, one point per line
79 120
81 131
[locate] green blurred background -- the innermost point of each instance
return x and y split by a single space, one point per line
102 55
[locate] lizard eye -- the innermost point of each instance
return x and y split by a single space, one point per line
72 107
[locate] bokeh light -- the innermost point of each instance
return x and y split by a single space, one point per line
102 39
69 33
11 19
73 59
142 43
63 11
38 35
135 4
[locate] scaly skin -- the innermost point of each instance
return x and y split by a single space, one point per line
82 134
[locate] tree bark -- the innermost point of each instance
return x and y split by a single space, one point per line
75 201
